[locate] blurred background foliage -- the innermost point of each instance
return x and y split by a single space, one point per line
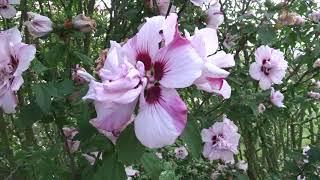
32 143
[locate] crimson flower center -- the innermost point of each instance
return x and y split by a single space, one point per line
265 68
216 138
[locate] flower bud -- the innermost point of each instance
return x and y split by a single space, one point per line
83 23
215 16
38 25
261 108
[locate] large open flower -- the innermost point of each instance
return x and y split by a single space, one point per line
151 64
15 58
221 141
269 67
205 41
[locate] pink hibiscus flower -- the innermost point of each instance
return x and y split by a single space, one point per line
15 58
221 141
149 66
276 97
7 11
270 67
205 41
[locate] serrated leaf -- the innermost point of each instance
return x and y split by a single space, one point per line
129 148
111 169
43 98
152 165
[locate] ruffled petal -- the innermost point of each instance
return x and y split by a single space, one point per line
160 124
16 83
25 54
113 117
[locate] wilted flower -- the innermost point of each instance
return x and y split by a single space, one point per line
92 156
290 18
242 165
269 67
229 41
316 64
83 23
221 141
276 97
70 133
315 16
314 95
214 16
261 108
80 75
6 9
205 41
181 152
143 70
163 6
38 25
15 58
131 172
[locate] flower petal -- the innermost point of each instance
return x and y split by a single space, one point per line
159 124
265 83
25 53
255 71
178 64
8 11
113 117
205 41
222 59
8 102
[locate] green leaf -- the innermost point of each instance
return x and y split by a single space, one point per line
83 58
192 138
43 98
168 175
28 115
129 148
267 34
152 165
38 67
111 169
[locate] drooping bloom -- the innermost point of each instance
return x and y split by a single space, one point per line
131 172
83 23
149 66
70 133
38 25
15 58
269 67
7 11
214 16
181 152
276 97
212 80
221 141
